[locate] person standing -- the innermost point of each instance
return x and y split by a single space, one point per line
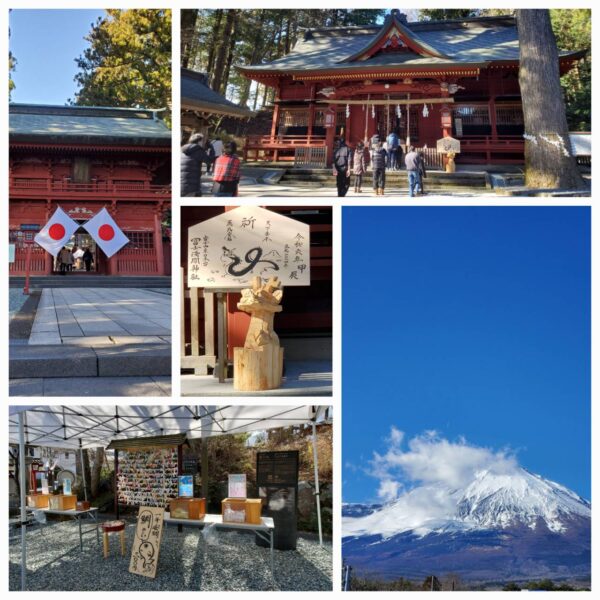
392 149
193 156
227 172
359 166
63 259
412 160
217 146
422 173
69 261
378 162
210 156
78 256
88 259
342 160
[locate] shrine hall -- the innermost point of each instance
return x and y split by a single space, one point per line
84 159
424 80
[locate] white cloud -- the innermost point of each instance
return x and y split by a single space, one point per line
431 459
388 490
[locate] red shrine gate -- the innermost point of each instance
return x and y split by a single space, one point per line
117 159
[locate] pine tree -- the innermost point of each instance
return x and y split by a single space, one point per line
128 62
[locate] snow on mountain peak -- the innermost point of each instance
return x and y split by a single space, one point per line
491 500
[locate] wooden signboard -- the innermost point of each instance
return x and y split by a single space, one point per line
277 469
447 145
231 249
146 543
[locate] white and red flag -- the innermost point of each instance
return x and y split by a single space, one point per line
106 233
56 232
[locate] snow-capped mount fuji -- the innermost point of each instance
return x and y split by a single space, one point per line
517 523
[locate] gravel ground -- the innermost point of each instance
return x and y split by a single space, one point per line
16 299
186 563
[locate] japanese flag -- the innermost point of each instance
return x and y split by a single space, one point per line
56 232
106 233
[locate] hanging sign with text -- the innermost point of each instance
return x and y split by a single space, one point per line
447 145
229 250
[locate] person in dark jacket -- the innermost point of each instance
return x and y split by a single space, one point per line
378 162
342 162
193 155
422 173
88 259
211 156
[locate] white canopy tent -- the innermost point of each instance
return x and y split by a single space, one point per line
80 427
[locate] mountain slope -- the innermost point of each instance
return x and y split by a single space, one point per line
505 525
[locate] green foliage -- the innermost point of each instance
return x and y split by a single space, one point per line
368 584
128 62
573 31
245 37
12 63
511 586
443 14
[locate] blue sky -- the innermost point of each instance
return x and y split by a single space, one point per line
470 321
46 44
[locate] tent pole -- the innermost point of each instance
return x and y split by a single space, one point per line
317 489
82 470
23 492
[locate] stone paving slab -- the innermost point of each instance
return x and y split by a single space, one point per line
100 312
105 340
134 359
92 386
51 361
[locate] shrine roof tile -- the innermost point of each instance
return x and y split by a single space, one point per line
196 95
81 124
470 42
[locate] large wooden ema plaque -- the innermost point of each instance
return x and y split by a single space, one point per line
146 543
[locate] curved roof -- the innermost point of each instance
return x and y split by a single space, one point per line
87 125
196 95
475 42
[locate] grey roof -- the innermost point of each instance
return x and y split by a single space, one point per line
86 125
468 42
196 95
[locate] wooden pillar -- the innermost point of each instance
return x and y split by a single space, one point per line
158 244
330 135
112 266
492 109
311 110
116 484
49 259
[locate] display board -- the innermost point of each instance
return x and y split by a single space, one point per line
148 477
277 481
186 486
237 486
229 250
277 468
447 145
146 542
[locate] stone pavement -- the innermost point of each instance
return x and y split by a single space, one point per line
300 378
69 315
94 342
79 387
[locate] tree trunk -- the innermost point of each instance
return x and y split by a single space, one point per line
188 32
213 42
230 53
548 157
96 470
222 50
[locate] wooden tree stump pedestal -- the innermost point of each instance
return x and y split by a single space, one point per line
257 370
258 365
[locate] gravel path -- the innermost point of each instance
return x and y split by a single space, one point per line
186 563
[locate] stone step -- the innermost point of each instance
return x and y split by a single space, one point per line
89 281
62 360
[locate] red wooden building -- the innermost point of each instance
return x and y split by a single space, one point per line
84 159
425 80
